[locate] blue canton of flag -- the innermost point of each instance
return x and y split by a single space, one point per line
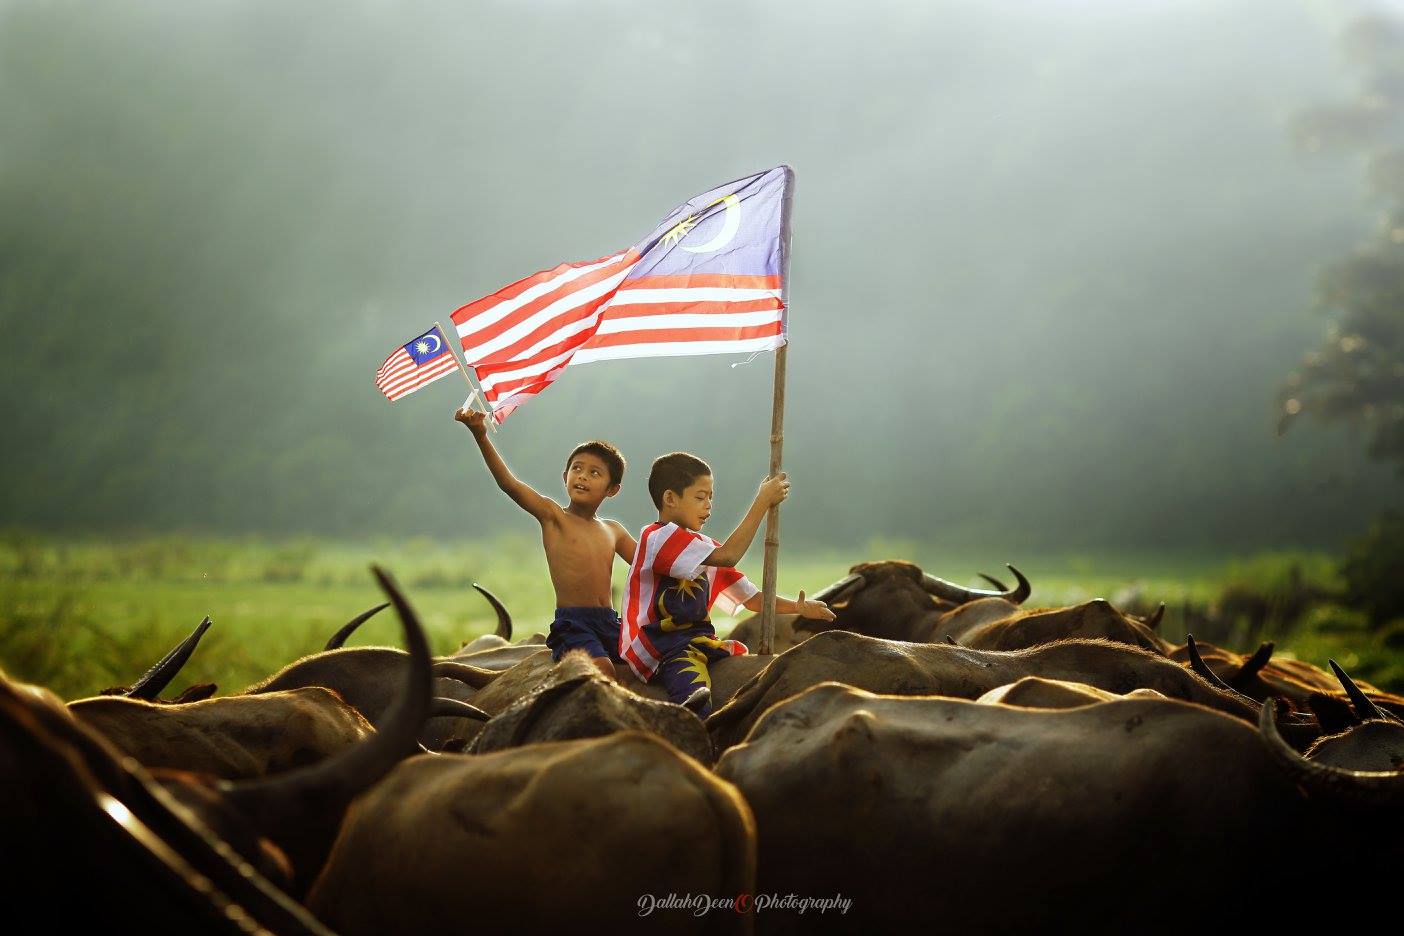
427 346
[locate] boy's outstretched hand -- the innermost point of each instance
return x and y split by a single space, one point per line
809 608
474 420
773 490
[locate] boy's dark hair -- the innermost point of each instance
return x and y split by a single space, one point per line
674 472
605 453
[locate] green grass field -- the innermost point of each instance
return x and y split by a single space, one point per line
79 616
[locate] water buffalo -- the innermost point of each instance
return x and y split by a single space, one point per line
1374 743
1329 774
1014 817
1298 683
370 679
1037 692
894 600
92 842
575 700
541 838
1370 746
727 675
297 813
234 737
900 668
1095 619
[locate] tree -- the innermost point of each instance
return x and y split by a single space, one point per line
1357 374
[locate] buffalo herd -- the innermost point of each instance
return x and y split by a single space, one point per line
936 756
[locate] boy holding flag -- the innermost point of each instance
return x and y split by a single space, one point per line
678 573
708 279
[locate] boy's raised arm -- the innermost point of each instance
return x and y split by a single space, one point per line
772 491
540 507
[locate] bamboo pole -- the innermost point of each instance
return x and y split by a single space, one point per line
772 516
777 431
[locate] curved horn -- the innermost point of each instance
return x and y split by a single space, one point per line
453 708
952 641
504 620
283 801
1358 785
340 636
1299 726
1153 619
466 673
840 589
154 680
1202 669
994 581
960 595
1364 708
1252 665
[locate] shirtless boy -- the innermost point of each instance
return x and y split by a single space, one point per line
580 547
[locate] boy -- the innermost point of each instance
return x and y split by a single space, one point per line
677 574
580 547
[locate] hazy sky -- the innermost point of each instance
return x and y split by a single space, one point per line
1051 260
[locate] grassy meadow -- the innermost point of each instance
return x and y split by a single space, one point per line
82 615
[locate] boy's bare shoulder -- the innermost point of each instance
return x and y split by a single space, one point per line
619 529
553 510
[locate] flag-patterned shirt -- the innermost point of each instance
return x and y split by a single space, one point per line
669 595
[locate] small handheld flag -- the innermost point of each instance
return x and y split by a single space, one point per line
414 364
709 279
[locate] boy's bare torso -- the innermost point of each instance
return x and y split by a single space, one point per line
580 554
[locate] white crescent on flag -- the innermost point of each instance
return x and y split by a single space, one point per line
730 225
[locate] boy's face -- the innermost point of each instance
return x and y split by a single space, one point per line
690 508
587 480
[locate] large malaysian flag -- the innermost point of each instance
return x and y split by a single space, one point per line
709 279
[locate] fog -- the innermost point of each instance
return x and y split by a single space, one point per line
1051 262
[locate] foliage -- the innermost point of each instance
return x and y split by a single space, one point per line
1373 569
82 615
1357 374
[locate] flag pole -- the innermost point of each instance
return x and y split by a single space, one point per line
772 516
463 369
777 432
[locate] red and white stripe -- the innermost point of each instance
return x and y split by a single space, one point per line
666 550
523 336
399 375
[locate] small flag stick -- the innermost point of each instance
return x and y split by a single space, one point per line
476 393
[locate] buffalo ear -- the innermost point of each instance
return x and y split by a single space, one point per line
196 693
1334 714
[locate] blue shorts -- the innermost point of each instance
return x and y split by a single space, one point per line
594 630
